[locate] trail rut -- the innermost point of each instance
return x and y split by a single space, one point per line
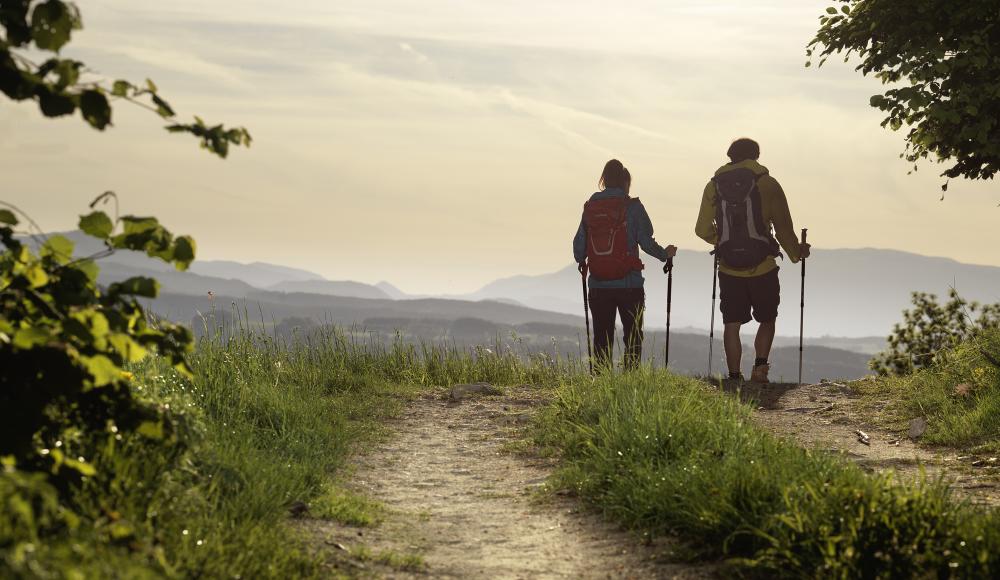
469 508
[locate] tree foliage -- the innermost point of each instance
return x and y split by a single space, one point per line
930 329
64 342
940 61
62 86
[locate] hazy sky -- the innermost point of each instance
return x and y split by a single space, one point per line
441 144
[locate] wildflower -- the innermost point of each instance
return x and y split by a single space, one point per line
127 375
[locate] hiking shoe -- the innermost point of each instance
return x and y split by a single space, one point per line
731 385
759 374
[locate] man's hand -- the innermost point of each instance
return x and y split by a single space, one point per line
804 250
671 251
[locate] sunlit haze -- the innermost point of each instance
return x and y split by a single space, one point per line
445 143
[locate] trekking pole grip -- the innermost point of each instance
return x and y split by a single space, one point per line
805 231
669 265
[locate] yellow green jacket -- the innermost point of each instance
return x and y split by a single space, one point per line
774 208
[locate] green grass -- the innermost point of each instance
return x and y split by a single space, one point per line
266 423
341 505
967 417
390 558
263 423
669 455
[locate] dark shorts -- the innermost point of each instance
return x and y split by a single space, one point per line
741 295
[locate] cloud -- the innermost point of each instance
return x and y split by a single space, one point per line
387 126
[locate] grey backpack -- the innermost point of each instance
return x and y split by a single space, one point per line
744 239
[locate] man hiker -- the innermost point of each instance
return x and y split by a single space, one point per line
613 228
743 210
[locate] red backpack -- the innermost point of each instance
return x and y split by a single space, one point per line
608 254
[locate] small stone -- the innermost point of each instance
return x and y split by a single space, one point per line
963 390
460 392
298 509
918 427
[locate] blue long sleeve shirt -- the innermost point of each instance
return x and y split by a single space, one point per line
640 234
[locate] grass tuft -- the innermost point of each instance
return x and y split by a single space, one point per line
669 455
341 505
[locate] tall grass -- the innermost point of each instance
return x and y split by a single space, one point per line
667 454
959 395
265 422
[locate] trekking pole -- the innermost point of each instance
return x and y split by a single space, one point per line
711 332
668 269
802 307
586 314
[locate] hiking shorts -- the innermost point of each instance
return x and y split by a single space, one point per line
740 296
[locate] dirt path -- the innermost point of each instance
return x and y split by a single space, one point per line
460 505
826 416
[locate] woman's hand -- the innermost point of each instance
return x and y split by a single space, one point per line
671 251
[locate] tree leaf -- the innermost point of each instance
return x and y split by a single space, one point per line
184 252
7 217
136 286
90 269
59 247
36 275
52 22
69 73
162 107
55 104
95 109
121 88
97 224
129 349
32 336
101 369
138 225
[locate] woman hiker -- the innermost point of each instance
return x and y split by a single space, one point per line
613 228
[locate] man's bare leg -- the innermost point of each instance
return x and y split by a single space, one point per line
734 349
762 344
764 340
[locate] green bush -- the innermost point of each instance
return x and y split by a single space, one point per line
930 330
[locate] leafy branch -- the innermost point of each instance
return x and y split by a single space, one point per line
940 63
57 84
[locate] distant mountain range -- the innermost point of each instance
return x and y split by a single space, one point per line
849 293
330 288
853 297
